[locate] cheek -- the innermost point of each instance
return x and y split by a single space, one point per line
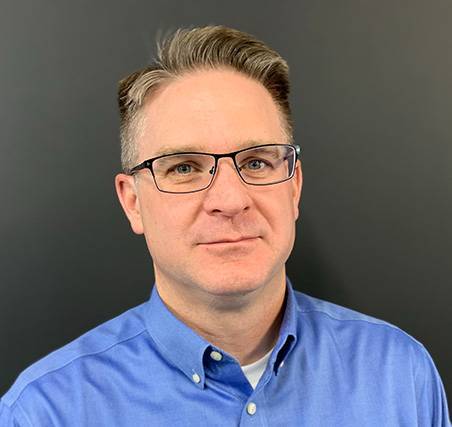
281 216
166 222
280 210
285 226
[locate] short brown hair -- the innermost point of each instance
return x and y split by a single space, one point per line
188 50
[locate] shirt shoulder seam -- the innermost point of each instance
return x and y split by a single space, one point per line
375 323
14 407
27 384
23 412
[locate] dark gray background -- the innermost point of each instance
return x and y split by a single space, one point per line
372 101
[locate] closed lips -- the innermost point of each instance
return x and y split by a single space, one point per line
241 239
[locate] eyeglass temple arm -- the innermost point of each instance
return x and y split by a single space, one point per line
143 165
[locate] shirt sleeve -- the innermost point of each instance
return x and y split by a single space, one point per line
431 397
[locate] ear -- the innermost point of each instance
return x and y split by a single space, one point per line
128 197
297 184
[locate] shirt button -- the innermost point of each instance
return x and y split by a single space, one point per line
196 378
215 355
251 408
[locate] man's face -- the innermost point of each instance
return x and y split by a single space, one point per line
190 236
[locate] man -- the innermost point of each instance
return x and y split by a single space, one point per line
213 181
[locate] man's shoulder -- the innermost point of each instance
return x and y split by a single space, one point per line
309 304
374 350
100 340
352 323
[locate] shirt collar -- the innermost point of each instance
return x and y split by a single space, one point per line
289 329
185 349
178 343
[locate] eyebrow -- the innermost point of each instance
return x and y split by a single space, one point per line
188 148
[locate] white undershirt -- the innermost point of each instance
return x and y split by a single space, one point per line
254 371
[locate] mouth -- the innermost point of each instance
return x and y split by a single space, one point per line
225 242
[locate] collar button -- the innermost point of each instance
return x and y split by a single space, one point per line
217 356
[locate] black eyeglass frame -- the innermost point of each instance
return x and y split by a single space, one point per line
147 164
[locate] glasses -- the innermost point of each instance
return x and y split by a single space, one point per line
189 172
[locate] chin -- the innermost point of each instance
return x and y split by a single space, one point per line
232 283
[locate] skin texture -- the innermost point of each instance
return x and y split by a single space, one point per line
231 293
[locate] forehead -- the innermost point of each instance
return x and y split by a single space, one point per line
209 110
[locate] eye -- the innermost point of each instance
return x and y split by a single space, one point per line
255 165
183 168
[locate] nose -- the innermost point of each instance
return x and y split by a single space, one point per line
228 195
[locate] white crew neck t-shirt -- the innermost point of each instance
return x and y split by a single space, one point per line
255 370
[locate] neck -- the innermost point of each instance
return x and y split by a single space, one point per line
247 330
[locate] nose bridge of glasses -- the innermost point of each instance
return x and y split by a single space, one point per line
228 159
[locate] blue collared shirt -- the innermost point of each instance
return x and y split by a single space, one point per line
330 367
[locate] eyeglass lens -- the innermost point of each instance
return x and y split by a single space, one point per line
180 173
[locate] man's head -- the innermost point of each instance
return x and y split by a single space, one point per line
212 47
212 90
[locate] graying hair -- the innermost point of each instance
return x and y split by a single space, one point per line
188 50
